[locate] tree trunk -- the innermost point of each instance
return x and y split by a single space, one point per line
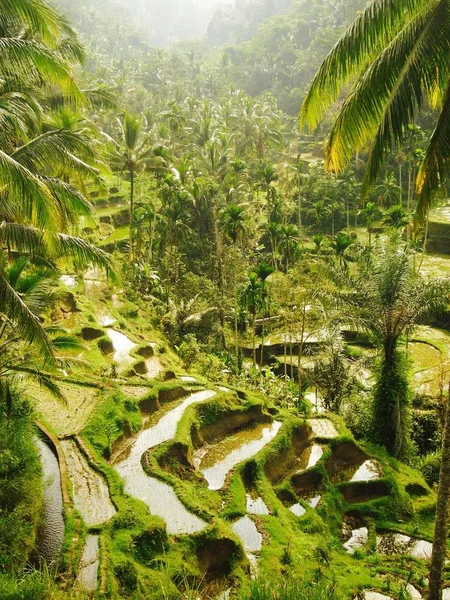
131 255
391 400
299 202
254 341
442 514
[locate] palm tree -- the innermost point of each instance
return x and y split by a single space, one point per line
289 242
371 213
268 176
409 56
36 158
262 271
396 217
387 299
233 222
442 513
388 192
251 299
273 231
340 245
131 154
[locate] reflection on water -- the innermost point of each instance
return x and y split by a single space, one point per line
122 347
51 532
398 543
215 475
313 502
368 471
323 428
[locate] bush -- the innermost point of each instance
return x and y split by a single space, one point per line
430 468
20 486
189 350
151 542
291 589
127 576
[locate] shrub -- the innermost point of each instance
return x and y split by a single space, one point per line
127 576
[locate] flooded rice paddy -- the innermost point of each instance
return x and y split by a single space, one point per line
90 490
218 462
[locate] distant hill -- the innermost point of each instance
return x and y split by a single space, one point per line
155 22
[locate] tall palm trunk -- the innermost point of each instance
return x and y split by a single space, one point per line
131 255
391 398
299 180
254 340
300 353
442 514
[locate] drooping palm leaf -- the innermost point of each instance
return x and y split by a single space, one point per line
371 31
435 166
25 323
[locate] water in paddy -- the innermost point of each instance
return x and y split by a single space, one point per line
414 594
122 347
158 496
88 571
106 320
311 456
368 471
314 501
358 539
298 509
68 281
225 455
256 506
90 490
246 531
323 428
398 543
51 532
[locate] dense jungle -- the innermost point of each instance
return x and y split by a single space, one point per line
224 299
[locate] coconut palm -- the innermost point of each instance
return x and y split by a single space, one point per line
233 222
397 53
340 244
442 514
37 204
251 298
371 213
387 299
388 192
130 154
289 243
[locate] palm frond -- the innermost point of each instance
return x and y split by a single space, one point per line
27 196
25 323
365 38
40 17
33 59
84 253
435 166
31 240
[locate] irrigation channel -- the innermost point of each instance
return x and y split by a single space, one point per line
51 532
